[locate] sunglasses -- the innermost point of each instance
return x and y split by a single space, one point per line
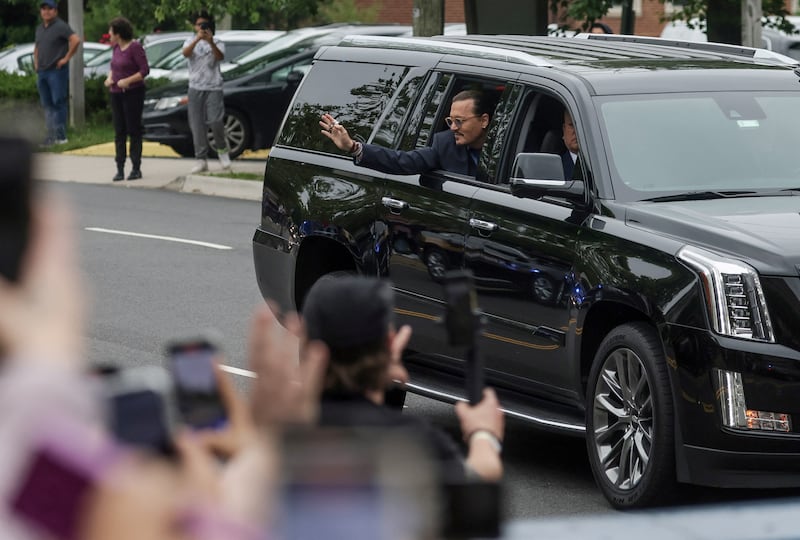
458 122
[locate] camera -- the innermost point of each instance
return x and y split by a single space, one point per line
205 26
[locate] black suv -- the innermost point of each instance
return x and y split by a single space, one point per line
650 303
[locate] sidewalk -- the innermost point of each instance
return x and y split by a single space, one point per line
95 165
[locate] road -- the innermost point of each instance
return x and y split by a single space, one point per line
147 289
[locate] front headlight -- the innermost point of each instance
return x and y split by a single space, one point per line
733 294
170 102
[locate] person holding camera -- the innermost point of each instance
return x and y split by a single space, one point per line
206 105
354 317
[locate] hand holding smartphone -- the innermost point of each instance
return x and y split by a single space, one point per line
197 390
463 320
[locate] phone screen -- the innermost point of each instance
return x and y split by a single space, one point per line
199 401
138 419
16 159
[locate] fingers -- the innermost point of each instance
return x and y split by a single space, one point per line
400 342
312 379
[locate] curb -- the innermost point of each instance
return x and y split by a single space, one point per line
218 187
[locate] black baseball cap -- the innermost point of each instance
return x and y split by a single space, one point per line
348 311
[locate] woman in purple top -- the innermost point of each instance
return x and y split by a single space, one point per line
126 82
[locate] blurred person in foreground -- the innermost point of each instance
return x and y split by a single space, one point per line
89 486
354 317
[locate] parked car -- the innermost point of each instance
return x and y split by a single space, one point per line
174 66
19 58
156 47
668 336
256 92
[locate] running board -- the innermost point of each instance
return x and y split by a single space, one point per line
567 424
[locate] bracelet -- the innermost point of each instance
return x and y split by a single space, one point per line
486 435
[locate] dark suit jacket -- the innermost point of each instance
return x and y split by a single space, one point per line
566 160
443 154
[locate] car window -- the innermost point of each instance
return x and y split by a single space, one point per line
280 75
710 141
159 50
439 108
356 94
100 59
390 132
25 63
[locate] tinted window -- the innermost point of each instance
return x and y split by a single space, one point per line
355 94
389 129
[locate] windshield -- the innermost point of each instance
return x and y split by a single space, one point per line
715 141
100 58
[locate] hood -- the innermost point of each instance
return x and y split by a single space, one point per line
762 231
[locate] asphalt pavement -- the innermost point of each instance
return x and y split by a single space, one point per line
161 169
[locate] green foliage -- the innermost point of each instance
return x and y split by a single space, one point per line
585 12
348 11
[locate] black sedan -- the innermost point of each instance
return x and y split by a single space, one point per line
255 103
257 93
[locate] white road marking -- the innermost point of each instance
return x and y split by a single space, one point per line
158 237
238 371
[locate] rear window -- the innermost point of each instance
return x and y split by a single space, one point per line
356 94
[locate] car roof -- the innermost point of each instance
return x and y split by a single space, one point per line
609 63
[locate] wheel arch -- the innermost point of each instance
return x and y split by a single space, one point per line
603 317
317 256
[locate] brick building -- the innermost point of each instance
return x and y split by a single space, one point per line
648 13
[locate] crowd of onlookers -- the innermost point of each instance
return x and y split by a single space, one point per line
312 450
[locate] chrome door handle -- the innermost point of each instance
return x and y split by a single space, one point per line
394 204
483 225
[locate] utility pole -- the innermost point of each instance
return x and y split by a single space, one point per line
428 17
77 97
751 23
628 18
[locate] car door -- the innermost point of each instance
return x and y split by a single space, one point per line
522 253
426 218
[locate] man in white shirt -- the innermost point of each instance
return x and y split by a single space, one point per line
206 106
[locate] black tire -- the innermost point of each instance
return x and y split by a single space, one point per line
630 434
184 150
237 133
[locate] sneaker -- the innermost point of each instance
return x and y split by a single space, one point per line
61 141
225 160
199 166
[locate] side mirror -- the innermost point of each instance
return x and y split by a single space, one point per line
537 175
294 77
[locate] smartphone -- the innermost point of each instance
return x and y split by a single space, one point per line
463 321
191 363
141 408
66 460
16 187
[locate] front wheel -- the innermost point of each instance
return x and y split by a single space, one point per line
237 133
630 421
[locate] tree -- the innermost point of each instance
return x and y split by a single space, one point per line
721 18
